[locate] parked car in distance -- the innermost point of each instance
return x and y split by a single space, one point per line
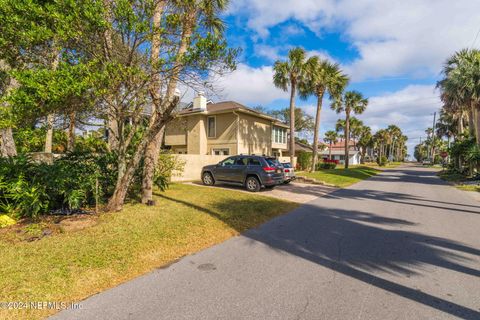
253 172
427 162
288 172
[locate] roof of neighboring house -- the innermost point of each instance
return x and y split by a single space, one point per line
338 152
299 146
340 145
228 106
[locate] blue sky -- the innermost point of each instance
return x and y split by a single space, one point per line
393 50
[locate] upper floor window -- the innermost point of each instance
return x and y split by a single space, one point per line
211 127
279 135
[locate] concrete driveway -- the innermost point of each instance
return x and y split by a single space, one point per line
295 192
401 245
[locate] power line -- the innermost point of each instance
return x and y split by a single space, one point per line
475 40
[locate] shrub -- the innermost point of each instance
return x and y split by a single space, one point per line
168 165
77 180
304 160
382 161
326 165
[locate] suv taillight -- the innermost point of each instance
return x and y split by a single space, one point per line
269 169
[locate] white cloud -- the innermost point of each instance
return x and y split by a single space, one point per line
248 85
392 37
271 53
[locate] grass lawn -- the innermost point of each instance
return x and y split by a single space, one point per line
389 165
343 177
458 180
71 259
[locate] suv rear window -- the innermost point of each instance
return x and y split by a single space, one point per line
287 165
272 162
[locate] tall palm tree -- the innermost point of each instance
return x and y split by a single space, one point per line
331 137
322 76
351 101
461 85
395 133
365 140
291 74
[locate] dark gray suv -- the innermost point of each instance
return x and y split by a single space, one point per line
253 172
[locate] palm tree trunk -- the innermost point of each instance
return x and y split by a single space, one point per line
317 129
292 123
330 151
347 138
476 115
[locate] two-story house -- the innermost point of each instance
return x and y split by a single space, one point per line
225 128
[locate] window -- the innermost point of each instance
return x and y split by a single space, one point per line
254 162
228 162
211 127
272 162
241 161
221 152
279 135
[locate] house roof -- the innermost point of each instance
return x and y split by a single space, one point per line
228 106
340 145
302 147
326 152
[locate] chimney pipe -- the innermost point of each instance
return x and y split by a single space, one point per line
200 102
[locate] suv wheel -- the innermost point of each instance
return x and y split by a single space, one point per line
207 179
252 184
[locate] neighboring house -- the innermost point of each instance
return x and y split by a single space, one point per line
338 152
225 128
300 147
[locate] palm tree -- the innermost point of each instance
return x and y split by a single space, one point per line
395 133
331 137
322 76
461 86
365 140
291 73
351 101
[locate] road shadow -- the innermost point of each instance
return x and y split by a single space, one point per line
341 241
401 198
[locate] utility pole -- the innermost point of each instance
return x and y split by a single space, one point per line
433 137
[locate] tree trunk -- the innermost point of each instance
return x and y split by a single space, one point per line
317 129
150 163
50 117
347 139
471 122
49 135
7 143
330 151
292 123
71 132
153 148
476 116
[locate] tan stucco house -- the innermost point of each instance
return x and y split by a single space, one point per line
225 128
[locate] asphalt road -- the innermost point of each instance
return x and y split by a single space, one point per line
402 245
